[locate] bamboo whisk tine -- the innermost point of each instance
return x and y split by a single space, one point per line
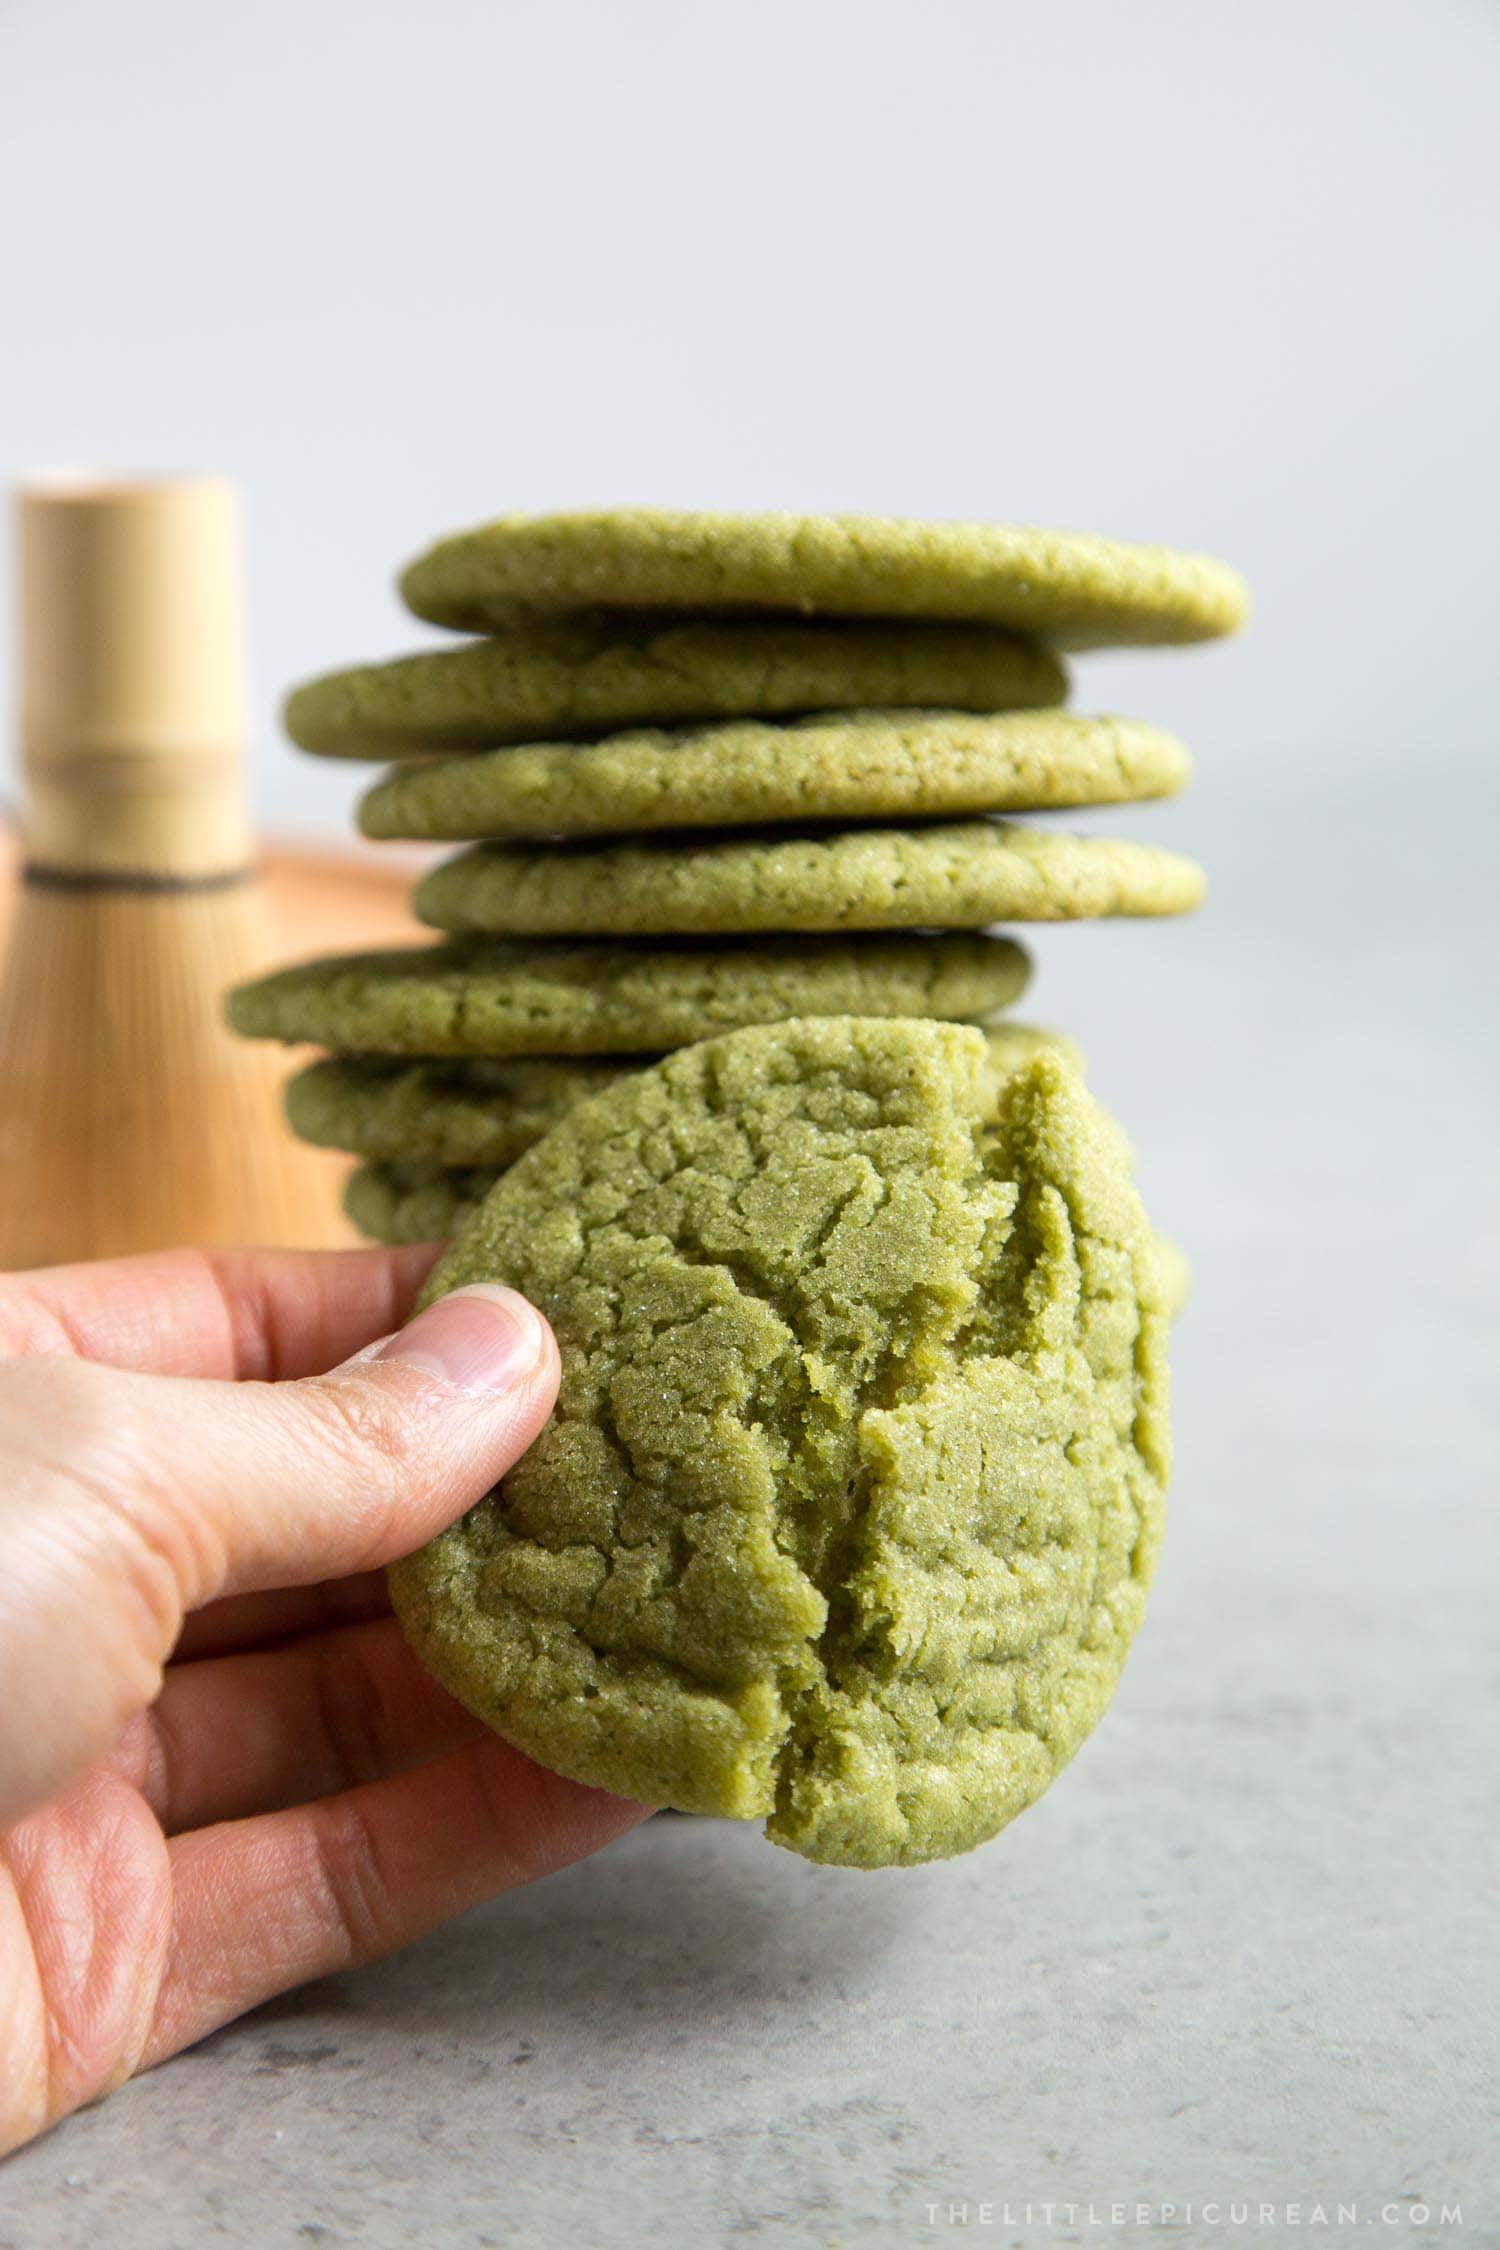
129 1118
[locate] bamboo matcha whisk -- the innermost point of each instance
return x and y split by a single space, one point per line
129 1118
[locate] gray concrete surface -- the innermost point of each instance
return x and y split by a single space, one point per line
1242 1950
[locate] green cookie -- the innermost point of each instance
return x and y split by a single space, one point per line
401 1203
959 876
476 1112
859 765
614 999
1069 587
485 1112
574 675
848 1511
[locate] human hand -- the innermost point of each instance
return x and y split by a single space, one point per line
222 1771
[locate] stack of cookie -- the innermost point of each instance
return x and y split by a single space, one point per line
712 771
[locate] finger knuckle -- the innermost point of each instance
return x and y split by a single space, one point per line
349 1713
350 1876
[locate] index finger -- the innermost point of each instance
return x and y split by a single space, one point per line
265 1314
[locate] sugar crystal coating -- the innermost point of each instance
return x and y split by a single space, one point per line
849 1507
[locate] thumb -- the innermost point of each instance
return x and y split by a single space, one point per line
345 1471
130 1499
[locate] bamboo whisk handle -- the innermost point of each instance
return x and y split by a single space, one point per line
133 711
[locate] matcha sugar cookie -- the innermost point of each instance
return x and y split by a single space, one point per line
481 1111
858 765
417 1202
485 1111
847 1514
1069 587
960 875
500 999
538 679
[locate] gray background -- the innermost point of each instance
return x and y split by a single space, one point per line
1217 276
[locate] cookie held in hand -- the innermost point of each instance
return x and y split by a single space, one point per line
847 1514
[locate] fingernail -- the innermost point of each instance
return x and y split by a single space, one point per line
479 1339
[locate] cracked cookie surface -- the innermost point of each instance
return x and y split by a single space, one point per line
847 1514
858 765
